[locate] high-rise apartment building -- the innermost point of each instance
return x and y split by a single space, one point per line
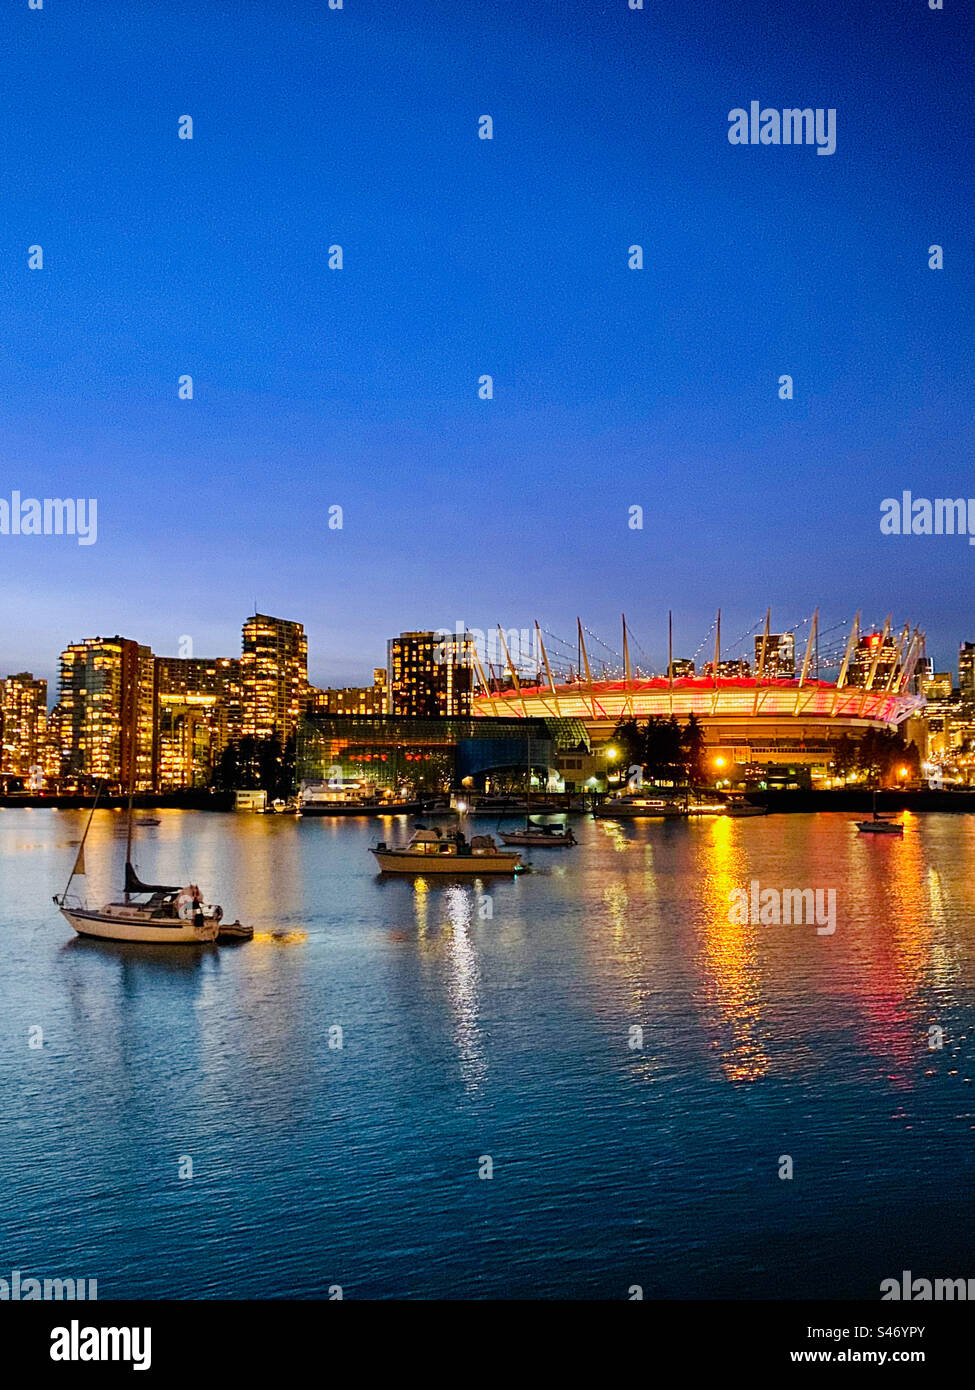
23 725
107 713
966 676
199 710
274 676
874 662
430 673
780 655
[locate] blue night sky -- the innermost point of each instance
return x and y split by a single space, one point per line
359 387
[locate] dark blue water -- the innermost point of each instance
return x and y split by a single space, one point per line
467 1035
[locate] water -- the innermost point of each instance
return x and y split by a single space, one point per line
506 1036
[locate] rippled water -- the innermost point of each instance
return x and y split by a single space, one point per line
467 1035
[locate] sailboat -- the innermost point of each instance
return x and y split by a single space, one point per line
881 823
535 835
161 913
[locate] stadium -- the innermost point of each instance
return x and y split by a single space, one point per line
763 719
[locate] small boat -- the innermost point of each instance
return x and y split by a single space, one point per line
148 820
159 913
540 836
881 823
639 807
738 806
432 852
235 931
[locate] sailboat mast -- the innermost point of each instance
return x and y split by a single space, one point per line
79 857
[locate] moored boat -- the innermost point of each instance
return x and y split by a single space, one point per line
880 823
738 806
153 913
431 852
540 836
638 806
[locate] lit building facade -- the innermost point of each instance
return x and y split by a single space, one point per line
199 710
432 755
875 661
779 654
23 725
350 699
430 674
274 676
966 677
107 713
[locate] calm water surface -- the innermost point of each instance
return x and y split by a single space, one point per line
507 1036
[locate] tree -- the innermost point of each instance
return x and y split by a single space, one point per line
692 747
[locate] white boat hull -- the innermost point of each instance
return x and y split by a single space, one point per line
538 841
400 862
130 926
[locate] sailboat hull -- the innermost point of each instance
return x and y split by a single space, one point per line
126 924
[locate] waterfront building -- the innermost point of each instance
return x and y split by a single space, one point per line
430 674
274 676
199 710
23 726
107 713
422 755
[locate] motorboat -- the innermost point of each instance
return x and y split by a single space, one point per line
349 799
539 836
640 806
433 852
738 806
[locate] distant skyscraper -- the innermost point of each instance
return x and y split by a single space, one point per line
107 712
682 668
199 711
874 660
780 655
430 673
274 676
23 724
966 676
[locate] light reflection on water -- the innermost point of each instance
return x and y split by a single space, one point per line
493 1017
